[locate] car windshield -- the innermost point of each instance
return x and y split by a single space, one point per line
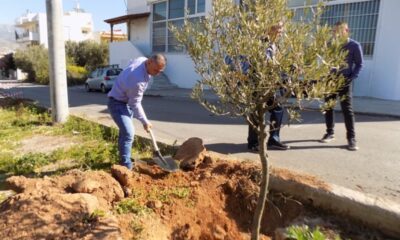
114 72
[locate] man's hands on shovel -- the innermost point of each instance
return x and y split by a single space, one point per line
147 126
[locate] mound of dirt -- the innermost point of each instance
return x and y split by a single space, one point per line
61 207
214 201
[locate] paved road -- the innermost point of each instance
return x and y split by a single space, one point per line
374 169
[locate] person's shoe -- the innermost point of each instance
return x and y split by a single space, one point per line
327 138
352 145
275 145
253 148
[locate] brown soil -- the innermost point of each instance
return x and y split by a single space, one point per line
220 205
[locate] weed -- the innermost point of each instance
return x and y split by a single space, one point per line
26 164
180 192
94 216
130 205
2 197
137 229
305 233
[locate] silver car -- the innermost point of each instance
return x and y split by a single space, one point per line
102 78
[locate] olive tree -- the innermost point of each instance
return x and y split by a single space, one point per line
248 85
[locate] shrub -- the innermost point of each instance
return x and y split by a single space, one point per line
34 60
76 74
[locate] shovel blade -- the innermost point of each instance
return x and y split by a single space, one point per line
166 163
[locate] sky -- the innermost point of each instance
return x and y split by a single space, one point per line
100 10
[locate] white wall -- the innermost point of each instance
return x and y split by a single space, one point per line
43 38
140 34
74 23
385 77
122 52
180 70
138 6
361 86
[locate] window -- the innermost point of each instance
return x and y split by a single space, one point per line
362 18
173 13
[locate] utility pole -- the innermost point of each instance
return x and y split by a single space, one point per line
57 65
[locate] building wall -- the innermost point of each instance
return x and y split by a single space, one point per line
140 34
137 6
385 72
122 53
380 77
43 38
74 25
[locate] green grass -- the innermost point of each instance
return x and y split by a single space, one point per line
96 148
305 233
130 205
2 197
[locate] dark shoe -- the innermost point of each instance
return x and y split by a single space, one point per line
327 138
352 145
274 145
253 148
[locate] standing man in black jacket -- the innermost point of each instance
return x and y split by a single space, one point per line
354 59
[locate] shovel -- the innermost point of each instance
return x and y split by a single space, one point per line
166 163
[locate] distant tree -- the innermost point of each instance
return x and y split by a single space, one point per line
306 54
8 63
88 54
34 60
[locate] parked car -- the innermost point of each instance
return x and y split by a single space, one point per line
102 78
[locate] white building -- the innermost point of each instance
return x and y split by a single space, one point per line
374 23
32 27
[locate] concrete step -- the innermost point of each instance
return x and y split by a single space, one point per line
161 82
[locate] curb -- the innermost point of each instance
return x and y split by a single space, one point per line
308 108
377 213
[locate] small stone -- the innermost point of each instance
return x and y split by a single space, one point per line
86 186
219 233
206 175
194 184
281 234
156 204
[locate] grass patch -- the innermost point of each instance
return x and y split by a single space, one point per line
3 197
168 195
97 148
137 229
131 205
94 216
305 233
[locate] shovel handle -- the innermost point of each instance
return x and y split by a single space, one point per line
153 139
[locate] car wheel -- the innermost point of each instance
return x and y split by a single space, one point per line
88 89
103 88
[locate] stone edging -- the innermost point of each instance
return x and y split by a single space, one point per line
374 212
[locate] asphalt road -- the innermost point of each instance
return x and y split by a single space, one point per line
374 169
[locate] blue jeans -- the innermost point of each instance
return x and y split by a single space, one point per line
122 116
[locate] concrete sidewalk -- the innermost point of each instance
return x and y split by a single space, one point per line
361 105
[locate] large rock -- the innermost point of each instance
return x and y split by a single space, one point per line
191 153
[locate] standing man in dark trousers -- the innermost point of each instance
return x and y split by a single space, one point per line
276 117
125 101
354 60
